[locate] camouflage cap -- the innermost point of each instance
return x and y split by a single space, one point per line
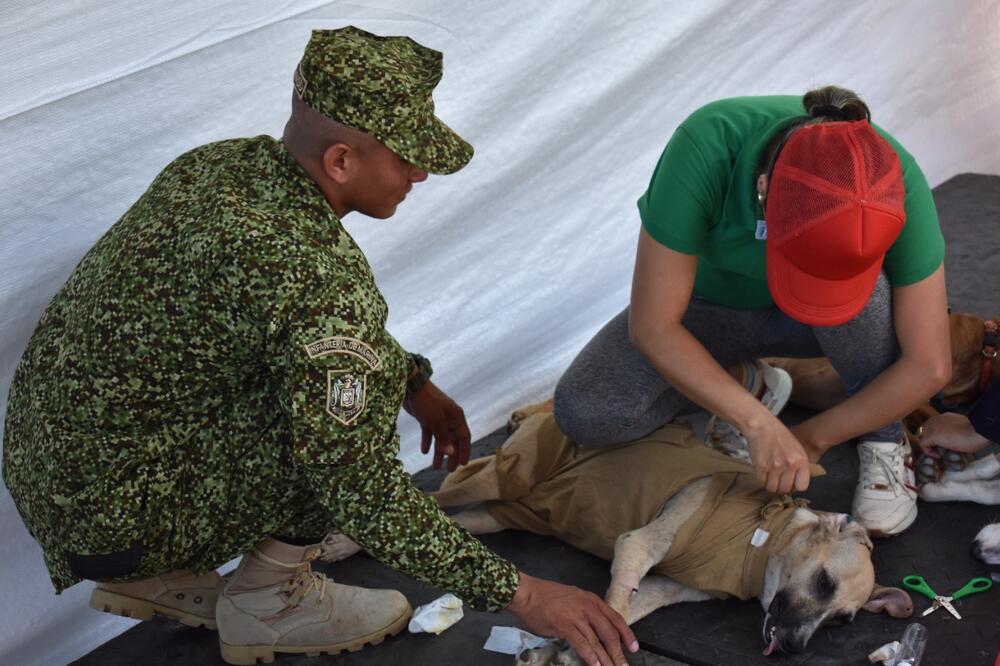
382 86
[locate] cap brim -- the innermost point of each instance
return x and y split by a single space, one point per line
816 301
434 147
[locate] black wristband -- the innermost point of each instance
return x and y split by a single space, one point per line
421 373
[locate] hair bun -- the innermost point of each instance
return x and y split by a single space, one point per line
835 103
828 110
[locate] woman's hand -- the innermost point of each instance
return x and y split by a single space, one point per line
442 419
779 458
949 431
580 618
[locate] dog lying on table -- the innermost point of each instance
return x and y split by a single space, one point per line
680 522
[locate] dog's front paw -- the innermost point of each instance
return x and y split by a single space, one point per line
978 470
567 657
553 654
542 656
337 546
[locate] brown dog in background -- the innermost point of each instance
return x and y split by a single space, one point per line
816 385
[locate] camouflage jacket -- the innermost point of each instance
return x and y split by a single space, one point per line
221 349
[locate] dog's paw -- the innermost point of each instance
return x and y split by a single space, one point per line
337 546
542 656
518 417
567 657
554 654
978 470
939 491
986 545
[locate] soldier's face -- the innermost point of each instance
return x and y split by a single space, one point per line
383 181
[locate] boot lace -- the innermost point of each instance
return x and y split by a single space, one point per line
303 581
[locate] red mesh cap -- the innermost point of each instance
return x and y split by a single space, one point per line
834 208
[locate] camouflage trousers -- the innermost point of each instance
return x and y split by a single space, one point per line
196 506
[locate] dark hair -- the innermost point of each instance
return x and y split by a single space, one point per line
826 104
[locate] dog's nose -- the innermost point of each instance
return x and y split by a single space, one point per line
777 604
976 549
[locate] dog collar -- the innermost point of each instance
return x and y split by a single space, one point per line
989 353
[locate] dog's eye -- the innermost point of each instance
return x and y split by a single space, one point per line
825 585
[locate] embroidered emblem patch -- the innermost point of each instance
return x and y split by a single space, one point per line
341 345
299 81
345 395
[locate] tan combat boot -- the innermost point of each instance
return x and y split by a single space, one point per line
275 603
179 595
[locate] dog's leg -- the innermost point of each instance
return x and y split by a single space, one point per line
659 591
985 468
338 546
477 520
815 384
482 486
636 552
980 491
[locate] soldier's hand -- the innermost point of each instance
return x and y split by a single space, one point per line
442 420
580 618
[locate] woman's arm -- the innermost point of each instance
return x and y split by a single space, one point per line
920 314
661 289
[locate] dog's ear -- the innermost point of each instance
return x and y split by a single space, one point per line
843 527
835 522
857 531
892 600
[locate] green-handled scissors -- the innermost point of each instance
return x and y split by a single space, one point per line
918 584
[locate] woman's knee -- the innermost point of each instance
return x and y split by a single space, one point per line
593 420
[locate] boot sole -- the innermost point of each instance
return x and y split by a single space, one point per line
248 655
140 609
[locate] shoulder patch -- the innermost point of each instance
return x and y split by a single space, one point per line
342 345
345 395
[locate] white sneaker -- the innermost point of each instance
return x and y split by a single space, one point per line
772 386
885 501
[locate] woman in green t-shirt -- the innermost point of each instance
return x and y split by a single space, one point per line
778 226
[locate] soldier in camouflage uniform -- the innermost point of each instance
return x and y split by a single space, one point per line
216 373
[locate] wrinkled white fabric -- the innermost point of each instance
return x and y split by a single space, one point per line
436 616
499 273
511 640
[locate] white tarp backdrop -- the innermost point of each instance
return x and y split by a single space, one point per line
499 273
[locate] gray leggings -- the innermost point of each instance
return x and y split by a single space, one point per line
611 393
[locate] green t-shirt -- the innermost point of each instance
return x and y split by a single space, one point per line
702 200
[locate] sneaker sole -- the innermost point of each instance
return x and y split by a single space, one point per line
141 609
248 655
780 393
897 529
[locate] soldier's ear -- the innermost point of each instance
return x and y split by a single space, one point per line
338 159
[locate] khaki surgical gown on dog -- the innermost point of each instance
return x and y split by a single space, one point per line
588 496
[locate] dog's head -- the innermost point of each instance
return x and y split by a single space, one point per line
823 576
